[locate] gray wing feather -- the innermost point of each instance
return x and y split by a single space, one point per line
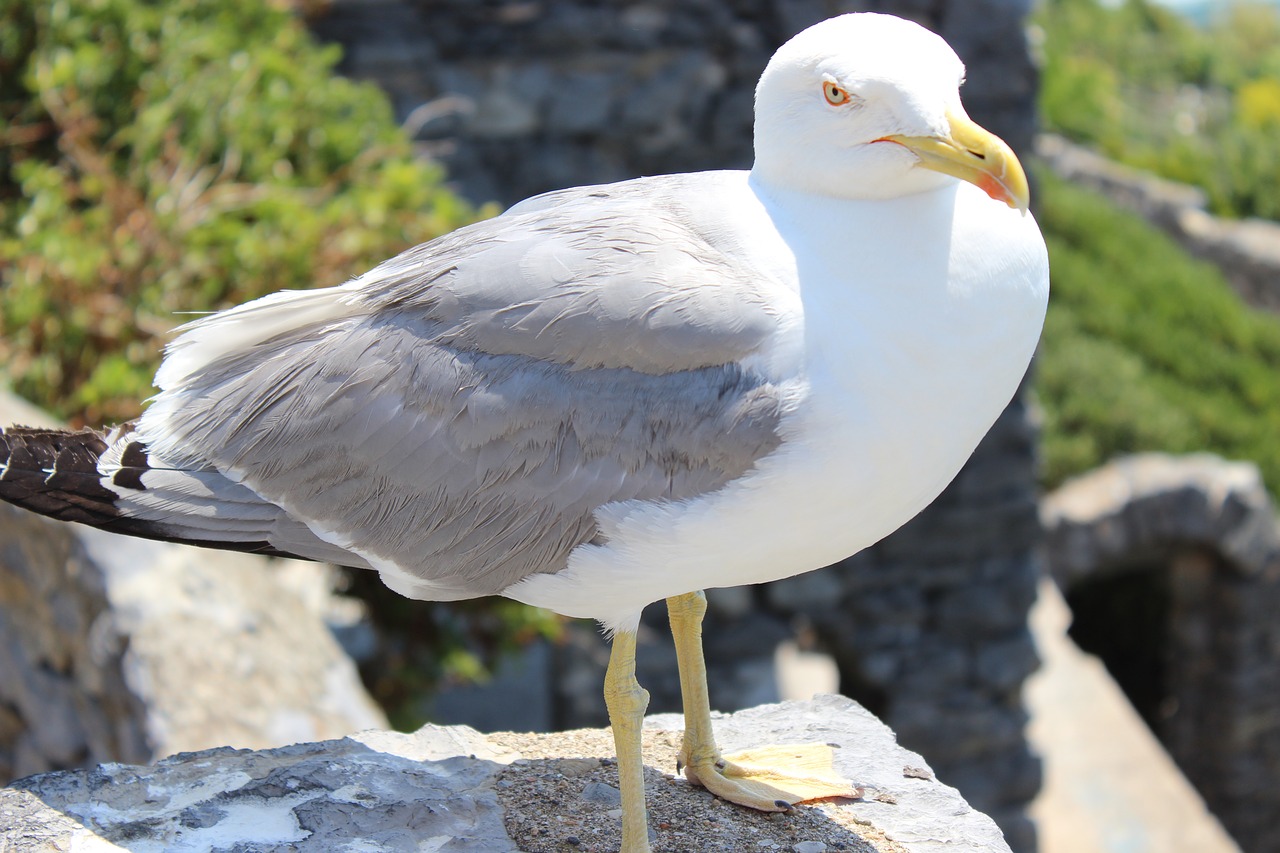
205 506
617 276
485 393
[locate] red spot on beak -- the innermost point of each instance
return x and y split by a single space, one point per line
995 189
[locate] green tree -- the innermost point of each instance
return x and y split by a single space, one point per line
1146 348
1147 87
163 159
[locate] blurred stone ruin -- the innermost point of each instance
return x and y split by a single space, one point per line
1171 566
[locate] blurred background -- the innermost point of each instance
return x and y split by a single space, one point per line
1081 634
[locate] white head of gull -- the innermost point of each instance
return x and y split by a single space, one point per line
613 395
853 107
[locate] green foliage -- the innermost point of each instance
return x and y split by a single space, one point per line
164 158
1147 87
1146 348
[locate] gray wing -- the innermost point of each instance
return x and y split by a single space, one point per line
625 275
455 416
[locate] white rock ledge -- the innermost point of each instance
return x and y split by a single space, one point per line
436 790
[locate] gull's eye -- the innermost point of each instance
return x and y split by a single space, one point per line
834 94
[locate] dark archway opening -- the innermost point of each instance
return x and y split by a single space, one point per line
862 690
1123 617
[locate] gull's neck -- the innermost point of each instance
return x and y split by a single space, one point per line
782 192
863 241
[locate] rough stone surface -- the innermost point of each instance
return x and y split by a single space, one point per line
381 792
904 800
1202 533
1246 250
440 789
1146 503
517 98
119 649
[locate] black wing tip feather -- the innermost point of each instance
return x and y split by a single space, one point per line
54 472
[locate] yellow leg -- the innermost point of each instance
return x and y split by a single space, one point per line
627 701
771 778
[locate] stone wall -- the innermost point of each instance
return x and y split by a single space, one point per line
514 98
1176 560
1246 250
519 97
453 789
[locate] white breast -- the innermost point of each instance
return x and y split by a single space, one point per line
908 348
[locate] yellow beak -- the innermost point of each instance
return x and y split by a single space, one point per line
972 154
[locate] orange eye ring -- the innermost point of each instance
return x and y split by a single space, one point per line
835 96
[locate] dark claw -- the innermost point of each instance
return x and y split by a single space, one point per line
784 805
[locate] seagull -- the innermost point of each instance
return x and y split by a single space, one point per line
613 395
